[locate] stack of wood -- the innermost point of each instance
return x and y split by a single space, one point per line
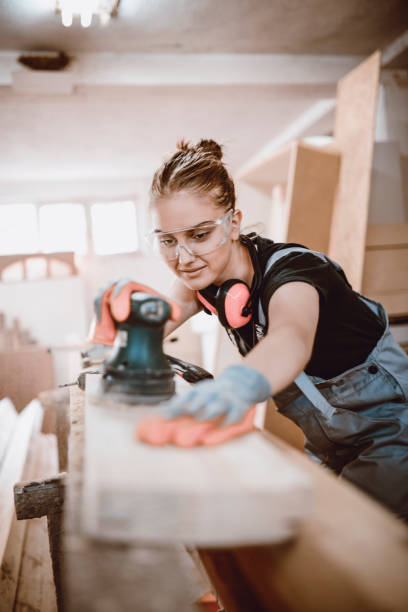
26 368
26 580
14 337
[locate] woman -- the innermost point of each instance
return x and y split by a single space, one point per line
288 310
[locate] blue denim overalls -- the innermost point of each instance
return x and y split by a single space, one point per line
364 436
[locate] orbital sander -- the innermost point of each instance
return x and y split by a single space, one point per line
131 318
137 370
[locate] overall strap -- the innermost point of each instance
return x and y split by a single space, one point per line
303 382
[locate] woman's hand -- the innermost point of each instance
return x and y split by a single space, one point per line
229 396
186 432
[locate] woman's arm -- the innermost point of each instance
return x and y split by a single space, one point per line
188 302
270 367
287 347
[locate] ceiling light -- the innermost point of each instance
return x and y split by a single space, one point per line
85 10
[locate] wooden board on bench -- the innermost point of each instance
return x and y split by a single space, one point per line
242 492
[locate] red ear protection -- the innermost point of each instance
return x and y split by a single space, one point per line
228 301
233 300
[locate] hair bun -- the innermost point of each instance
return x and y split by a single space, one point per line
210 146
183 145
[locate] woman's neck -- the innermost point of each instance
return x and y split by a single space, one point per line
240 264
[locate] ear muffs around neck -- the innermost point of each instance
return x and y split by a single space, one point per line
231 299
227 301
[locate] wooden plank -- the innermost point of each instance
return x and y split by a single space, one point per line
8 418
10 566
386 270
354 138
310 198
220 496
36 589
56 403
38 497
31 582
29 421
386 235
93 570
350 554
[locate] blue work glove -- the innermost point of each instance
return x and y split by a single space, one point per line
231 394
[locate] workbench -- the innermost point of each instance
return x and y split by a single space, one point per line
349 554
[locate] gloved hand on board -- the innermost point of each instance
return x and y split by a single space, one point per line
187 432
211 413
229 396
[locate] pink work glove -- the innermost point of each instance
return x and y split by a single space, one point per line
113 304
188 432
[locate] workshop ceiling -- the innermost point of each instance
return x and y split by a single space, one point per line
338 27
162 70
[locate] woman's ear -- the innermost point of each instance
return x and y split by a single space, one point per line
236 224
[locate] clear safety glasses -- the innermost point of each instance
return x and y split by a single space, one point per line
196 240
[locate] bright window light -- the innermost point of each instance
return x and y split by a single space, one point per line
63 228
114 228
36 268
18 229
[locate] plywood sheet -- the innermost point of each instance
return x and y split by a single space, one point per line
241 492
311 192
385 270
387 235
354 137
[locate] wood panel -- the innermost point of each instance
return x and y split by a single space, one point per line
386 235
385 276
10 566
8 420
36 589
354 138
24 373
29 421
310 198
155 578
385 270
350 555
237 493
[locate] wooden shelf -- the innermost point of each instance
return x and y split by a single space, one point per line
309 175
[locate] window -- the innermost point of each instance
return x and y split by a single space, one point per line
18 229
114 228
60 228
63 228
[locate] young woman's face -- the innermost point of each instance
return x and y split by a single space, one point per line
185 209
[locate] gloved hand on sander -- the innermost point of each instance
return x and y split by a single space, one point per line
113 304
212 412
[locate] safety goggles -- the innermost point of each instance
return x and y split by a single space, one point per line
197 240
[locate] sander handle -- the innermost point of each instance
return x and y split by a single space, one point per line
190 372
